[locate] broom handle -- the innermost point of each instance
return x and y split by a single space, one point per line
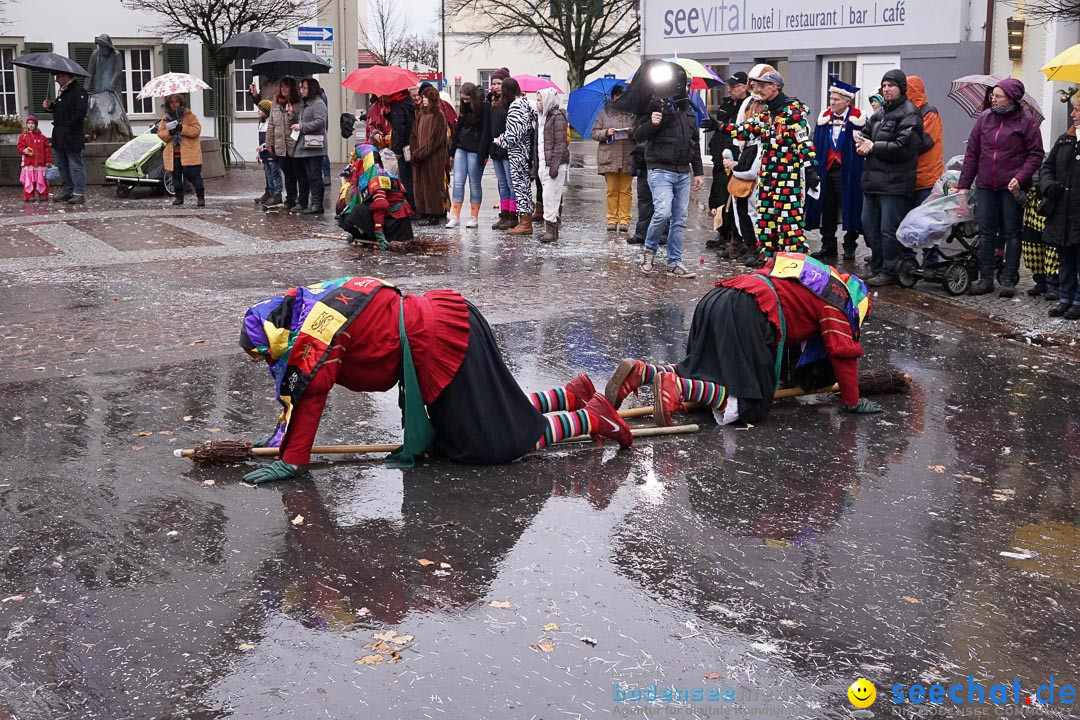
647 410
363 449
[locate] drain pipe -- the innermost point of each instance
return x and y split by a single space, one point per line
989 37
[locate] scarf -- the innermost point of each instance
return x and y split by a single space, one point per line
178 116
1003 109
295 331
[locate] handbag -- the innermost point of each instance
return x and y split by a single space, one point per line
52 174
740 188
314 142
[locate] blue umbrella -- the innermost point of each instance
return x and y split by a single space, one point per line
586 101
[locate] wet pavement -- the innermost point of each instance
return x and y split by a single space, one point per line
769 566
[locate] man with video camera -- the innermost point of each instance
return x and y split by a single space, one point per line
665 122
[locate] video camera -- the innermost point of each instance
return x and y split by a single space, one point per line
669 88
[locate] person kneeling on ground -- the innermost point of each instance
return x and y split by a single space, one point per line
738 339
373 205
459 397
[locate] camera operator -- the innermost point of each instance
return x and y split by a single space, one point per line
665 122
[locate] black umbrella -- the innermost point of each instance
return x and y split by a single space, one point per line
249 45
289 62
50 62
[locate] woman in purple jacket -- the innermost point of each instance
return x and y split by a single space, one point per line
1003 152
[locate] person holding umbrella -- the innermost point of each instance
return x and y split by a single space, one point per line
180 130
68 137
611 130
310 146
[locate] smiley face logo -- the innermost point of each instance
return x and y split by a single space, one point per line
862 693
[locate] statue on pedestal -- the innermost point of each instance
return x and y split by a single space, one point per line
106 118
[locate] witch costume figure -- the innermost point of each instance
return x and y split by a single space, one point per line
372 205
457 395
106 117
796 309
840 169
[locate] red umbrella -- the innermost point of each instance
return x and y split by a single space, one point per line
380 80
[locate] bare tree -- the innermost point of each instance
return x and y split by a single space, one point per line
212 22
585 34
421 50
386 32
1042 11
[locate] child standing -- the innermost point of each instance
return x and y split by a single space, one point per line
271 197
36 156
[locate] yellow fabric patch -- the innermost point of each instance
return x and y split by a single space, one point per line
322 322
278 339
384 182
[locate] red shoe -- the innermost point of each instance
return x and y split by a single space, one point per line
578 391
607 423
626 380
666 398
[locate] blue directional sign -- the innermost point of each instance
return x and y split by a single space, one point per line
324 34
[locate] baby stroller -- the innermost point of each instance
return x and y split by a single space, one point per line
139 162
944 228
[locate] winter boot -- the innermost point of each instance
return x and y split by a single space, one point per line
524 225
178 199
607 423
200 196
538 212
501 223
474 216
1039 288
455 216
551 233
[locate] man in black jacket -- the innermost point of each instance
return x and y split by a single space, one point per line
402 116
720 141
69 137
672 153
891 147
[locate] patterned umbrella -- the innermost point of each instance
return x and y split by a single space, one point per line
700 76
171 84
972 92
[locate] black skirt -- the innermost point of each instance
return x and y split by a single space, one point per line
361 225
482 417
732 343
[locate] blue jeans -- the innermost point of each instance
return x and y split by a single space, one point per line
671 204
272 172
502 175
72 171
881 216
1000 215
1069 275
468 163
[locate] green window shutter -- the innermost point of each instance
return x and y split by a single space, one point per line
40 84
210 105
80 52
175 57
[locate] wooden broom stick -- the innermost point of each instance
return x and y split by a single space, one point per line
386 448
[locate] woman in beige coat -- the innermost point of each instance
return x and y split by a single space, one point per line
180 130
612 131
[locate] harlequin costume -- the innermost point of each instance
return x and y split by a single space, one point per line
786 148
840 169
372 204
795 308
459 397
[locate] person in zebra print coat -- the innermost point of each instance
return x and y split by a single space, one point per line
517 140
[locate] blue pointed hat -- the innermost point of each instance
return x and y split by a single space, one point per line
836 85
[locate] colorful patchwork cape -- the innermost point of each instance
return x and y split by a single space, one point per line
295 331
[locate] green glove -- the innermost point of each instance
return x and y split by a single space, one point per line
381 237
865 407
263 442
278 470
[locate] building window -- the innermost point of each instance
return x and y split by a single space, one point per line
138 71
842 69
484 79
9 103
243 77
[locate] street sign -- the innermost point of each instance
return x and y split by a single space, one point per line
324 50
324 34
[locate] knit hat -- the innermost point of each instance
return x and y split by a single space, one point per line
897 77
500 74
31 118
265 106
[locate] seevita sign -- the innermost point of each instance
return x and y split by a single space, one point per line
727 26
